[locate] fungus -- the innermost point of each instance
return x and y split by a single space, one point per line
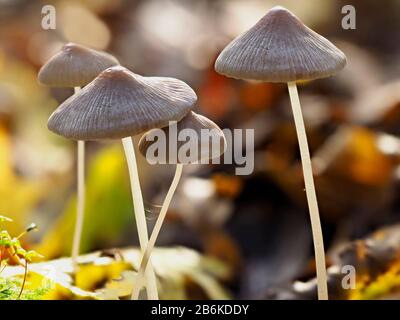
74 66
119 104
198 139
280 48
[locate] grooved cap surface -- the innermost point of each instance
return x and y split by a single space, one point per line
120 103
280 48
186 134
74 66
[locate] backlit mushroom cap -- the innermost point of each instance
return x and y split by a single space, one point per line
75 66
120 103
280 48
191 140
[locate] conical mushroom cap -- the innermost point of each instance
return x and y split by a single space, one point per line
120 103
75 66
280 48
201 139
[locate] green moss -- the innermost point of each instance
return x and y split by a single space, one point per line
10 289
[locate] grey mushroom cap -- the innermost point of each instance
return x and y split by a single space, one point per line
75 66
193 139
120 103
280 48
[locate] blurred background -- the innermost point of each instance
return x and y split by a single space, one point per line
258 224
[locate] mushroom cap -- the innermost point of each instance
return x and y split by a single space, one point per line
74 66
280 48
120 103
212 145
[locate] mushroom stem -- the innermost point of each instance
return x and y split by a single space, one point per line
156 231
140 216
310 192
80 206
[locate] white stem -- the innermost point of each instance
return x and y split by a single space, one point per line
156 231
310 192
80 204
140 216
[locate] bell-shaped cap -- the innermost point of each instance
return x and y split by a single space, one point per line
75 66
280 48
194 139
120 103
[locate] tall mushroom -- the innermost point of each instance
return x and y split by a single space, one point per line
119 104
194 139
280 48
74 66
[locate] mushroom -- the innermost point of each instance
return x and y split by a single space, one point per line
184 144
75 66
119 104
280 48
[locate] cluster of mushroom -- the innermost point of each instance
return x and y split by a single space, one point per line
117 104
